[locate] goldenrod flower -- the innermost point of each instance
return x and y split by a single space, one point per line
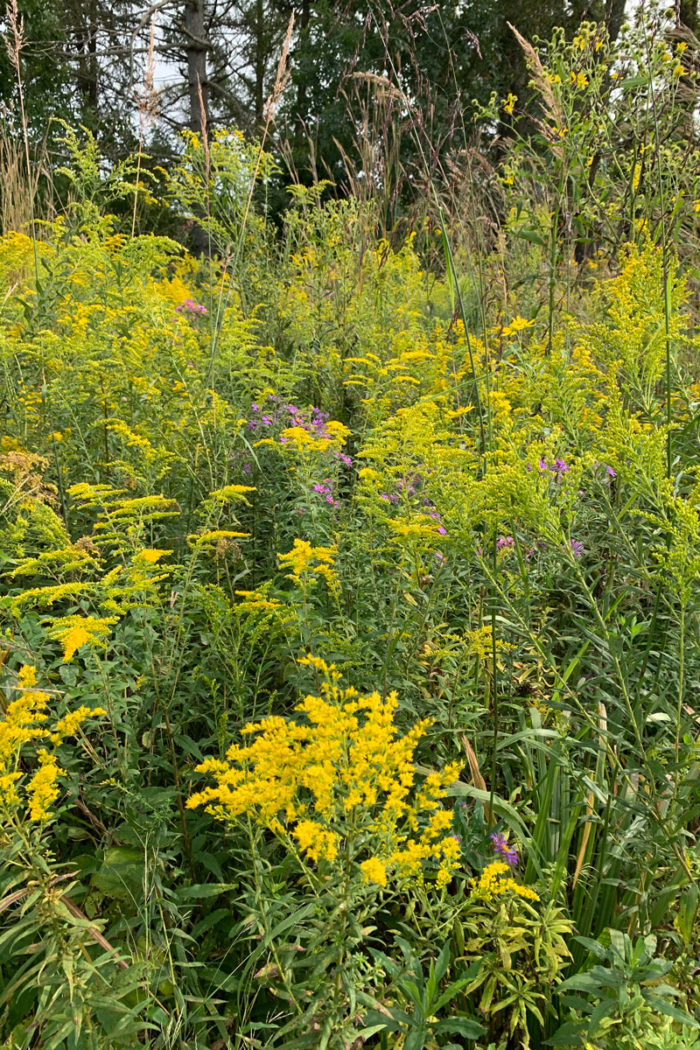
42 788
496 880
340 769
374 871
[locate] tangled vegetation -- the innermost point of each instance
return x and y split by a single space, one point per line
350 599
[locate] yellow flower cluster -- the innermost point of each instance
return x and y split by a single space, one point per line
75 631
496 880
306 561
340 780
300 438
25 723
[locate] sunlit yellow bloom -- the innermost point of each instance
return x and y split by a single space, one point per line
374 871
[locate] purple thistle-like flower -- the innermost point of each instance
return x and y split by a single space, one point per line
610 472
576 548
246 468
543 464
560 466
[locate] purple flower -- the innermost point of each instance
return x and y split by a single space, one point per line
560 467
192 307
504 541
609 471
576 548
255 407
347 460
441 530
266 421
246 468
318 487
543 464
500 845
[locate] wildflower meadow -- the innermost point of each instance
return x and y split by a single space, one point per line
349 587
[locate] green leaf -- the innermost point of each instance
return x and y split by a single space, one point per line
465 1026
416 1039
531 235
203 891
687 911
664 1007
120 876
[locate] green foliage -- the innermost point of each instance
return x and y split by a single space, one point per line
625 993
227 481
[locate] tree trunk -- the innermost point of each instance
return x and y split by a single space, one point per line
86 22
196 47
688 14
259 62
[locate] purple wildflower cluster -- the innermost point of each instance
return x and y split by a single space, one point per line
275 415
505 543
325 489
191 307
558 467
408 487
501 847
404 487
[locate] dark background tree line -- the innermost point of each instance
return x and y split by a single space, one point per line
86 61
